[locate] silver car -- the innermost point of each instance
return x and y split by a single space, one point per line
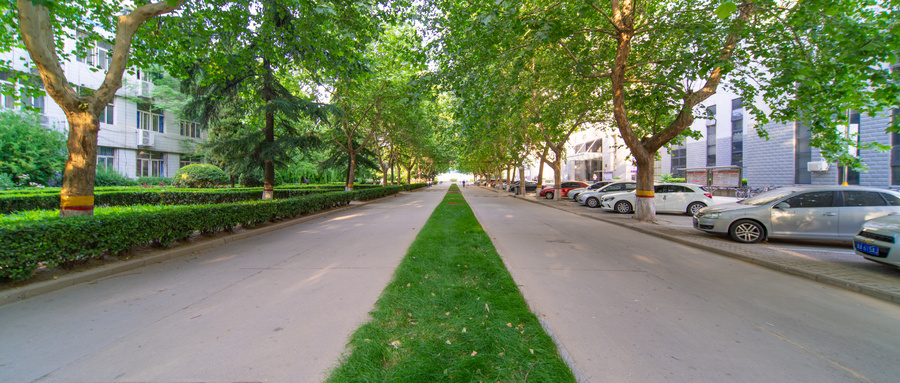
592 198
802 212
878 240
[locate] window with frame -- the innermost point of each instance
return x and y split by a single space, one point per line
99 54
802 154
737 132
190 129
711 136
895 142
185 161
150 118
106 156
679 161
150 164
853 130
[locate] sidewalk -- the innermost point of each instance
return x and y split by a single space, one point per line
882 286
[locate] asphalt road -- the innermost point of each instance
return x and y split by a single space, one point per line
628 307
278 307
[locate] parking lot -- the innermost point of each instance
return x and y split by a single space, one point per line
833 263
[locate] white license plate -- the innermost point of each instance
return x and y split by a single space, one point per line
866 248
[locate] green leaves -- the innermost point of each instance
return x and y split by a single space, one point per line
724 10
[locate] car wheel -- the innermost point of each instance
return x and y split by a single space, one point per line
623 207
694 207
747 231
593 202
549 195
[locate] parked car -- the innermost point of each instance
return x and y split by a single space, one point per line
810 212
672 197
877 240
530 186
563 188
573 194
592 198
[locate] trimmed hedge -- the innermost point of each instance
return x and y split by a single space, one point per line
41 238
12 202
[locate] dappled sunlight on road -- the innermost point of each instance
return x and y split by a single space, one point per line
219 259
645 259
345 217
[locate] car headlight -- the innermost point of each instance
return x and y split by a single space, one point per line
710 215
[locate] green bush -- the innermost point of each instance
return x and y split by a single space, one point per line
155 181
110 177
255 179
41 238
6 181
200 176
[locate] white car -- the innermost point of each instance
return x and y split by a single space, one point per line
592 198
672 197
573 194
877 240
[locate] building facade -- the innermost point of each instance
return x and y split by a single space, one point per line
136 138
729 139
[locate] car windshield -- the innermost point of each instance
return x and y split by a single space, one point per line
766 197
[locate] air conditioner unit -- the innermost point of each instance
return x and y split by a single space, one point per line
817 166
144 138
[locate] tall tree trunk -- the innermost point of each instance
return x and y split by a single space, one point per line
540 180
77 194
269 133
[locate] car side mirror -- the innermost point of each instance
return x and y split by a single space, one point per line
783 205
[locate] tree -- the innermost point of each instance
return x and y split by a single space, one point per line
42 28
659 60
259 48
27 148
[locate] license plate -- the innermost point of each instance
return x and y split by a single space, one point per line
866 248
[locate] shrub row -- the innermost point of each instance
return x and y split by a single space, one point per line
42 239
143 196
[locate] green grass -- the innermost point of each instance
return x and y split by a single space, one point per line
452 313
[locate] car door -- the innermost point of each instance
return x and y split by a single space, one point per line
661 194
808 215
860 206
678 198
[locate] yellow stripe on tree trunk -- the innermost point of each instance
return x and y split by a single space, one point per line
644 193
71 201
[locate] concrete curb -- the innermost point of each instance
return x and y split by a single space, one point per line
40 288
830 280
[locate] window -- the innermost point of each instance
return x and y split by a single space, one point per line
863 198
106 115
185 161
596 146
895 142
150 164
852 175
891 199
6 95
190 129
812 199
150 118
711 136
802 154
98 54
105 157
34 101
737 132
679 161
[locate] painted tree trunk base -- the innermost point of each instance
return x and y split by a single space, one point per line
645 211
268 194
348 188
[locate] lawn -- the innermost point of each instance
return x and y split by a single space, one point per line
452 313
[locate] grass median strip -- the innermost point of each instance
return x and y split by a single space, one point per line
452 313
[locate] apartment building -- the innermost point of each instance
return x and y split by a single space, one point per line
137 138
